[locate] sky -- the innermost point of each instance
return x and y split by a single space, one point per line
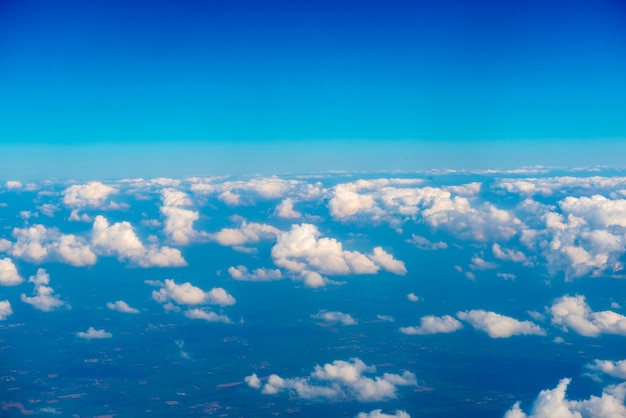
232 83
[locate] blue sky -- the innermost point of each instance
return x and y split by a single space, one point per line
208 72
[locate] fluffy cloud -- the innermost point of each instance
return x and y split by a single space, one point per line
257 275
208 316
573 312
433 325
285 210
424 243
121 306
92 195
339 380
499 326
44 298
178 219
509 254
8 273
187 294
302 250
120 239
38 244
560 185
412 297
5 309
334 317
552 403
612 368
378 413
247 233
93 333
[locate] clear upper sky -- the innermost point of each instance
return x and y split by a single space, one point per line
207 71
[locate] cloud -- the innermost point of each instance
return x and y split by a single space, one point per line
187 294
334 317
285 210
44 299
14 184
241 273
499 326
433 325
412 297
179 220
247 233
121 306
38 244
385 318
302 250
615 369
552 403
573 312
338 381
509 254
8 273
208 316
378 413
5 309
480 264
120 239
90 195
424 244
253 381
92 333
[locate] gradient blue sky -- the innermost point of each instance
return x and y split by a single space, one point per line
233 73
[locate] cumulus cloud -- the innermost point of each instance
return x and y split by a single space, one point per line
90 195
378 413
119 239
179 219
121 306
8 273
247 233
509 254
338 381
499 326
14 184
433 325
38 244
553 403
44 298
412 297
573 312
5 309
208 316
615 369
285 210
188 294
334 317
257 275
302 250
93 333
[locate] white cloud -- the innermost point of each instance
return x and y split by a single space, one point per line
5 309
334 317
302 250
412 297
247 233
121 306
285 210
253 381
13 184
44 299
120 239
339 380
499 326
378 413
257 275
481 264
573 312
612 368
38 244
5 245
509 254
506 276
48 209
433 325
8 273
552 403
93 195
179 220
424 244
208 316
93 333
187 294
385 318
